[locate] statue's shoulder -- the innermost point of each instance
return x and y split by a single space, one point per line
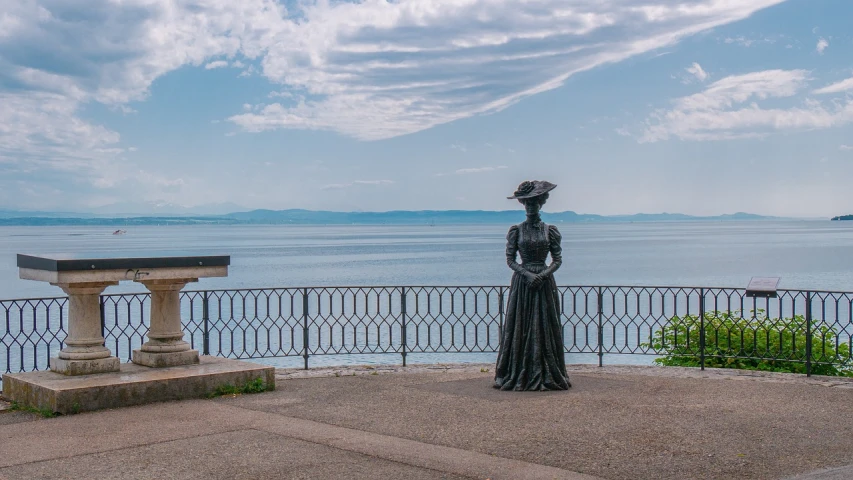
553 232
512 233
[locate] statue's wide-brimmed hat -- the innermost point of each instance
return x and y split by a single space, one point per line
532 188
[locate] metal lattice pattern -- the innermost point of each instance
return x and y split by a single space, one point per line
31 331
809 327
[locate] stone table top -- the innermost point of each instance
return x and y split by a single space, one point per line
66 262
98 267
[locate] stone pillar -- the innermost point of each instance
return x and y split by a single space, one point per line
84 351
165 346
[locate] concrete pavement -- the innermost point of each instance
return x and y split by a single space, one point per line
435 422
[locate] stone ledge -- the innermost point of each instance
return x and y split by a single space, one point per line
132 385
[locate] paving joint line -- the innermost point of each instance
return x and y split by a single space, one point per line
335 447
346 433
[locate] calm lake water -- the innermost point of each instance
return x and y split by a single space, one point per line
805 254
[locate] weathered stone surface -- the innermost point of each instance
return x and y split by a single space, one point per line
84 351
132 385
165 359
165 346
84 367
85 276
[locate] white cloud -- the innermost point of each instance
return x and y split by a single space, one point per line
740 40
753 39
334 186
466 171
842 86
248 72
216 64
56 57
822 45
729 108
845 147
375 70
469 171
697 72
40 130
371 69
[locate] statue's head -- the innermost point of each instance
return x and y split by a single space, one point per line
533 193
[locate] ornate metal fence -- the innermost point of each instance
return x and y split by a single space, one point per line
809 327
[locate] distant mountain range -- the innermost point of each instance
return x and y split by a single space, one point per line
133 209
843 217
309 217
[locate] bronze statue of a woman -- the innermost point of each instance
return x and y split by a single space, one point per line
531 351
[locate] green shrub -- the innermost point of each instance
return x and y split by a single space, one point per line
257 385
755 343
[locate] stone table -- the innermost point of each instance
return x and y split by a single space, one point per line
84 277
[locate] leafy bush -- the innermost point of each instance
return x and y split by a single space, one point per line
255 386
755 343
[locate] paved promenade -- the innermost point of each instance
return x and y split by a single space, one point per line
446 422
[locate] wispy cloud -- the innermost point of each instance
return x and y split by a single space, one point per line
408 66
822 45
111 52
355 183
466 171
842 86
719 112
469 171
752 40
739 40
696 73
216 64
370 70
845 147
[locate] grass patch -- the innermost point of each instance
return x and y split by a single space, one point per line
44 412
257 385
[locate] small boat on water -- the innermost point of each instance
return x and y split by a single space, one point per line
119 232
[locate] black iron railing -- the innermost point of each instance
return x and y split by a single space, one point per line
707 324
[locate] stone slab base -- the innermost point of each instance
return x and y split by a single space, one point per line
84 367
132 385
161 360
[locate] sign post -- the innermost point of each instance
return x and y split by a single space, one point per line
763 287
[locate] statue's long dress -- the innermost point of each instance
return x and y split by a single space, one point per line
531 355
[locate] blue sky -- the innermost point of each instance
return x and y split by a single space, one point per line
699 107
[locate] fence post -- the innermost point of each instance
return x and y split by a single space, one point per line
305 326
600 327
103 319
702 328
808 334
205 316
403 335
500 312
